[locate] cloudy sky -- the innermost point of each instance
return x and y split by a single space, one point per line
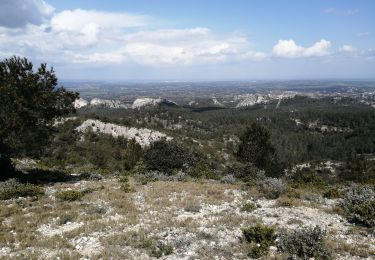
193 39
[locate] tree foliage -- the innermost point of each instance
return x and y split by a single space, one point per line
166 156
30 101
256 148
133 153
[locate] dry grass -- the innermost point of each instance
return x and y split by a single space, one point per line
203 219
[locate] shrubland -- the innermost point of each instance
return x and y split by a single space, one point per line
260 151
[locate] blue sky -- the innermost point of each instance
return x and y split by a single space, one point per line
193 40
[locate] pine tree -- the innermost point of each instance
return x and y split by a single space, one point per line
29 103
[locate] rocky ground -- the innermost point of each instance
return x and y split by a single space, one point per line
171 220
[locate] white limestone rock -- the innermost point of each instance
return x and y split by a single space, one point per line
143 136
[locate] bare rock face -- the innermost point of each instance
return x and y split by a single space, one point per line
145 102
107 103
143 136
253 99
80 103
98 102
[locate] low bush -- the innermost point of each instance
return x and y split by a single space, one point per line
202 170
293 193
249 207
359 205
69 195
124 184
306 176
14 189
260 237
92 209
64 219
161 249
272 188
259 234
164 156
285 201
193 207
258 250
332 193
245 172
305 243
152 245
138 169
312 196
228 179
151 176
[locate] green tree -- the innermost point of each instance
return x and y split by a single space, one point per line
29 104
256 148
133 153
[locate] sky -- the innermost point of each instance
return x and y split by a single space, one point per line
193 39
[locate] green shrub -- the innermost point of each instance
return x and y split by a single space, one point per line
359 205
69 195
166 156
259 234
132 154
292 193
161 249
285 201
125 186
306 243
260 237
246 172
249 207
272 188
62 220
258 250
365 213
13 189
193 207
332 193
202 170
152 245
306 176
138 169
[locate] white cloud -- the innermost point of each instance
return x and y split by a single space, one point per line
89 37
347 48
363 34
169 35
87 27
289 49
19 13
342 12
77 19
370 54
93 37
175 46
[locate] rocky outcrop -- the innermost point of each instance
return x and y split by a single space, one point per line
78 103
107 103
253 99
143 136
98 102
147 102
